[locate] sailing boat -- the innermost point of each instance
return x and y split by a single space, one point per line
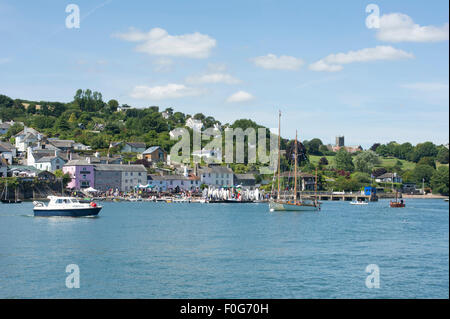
6 199
297 204
397 204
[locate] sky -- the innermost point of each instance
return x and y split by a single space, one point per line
330 67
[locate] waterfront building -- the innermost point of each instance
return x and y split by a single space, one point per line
216 175
157 182
81 172
116 176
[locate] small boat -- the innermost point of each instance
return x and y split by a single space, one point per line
359 202
397 203
65 206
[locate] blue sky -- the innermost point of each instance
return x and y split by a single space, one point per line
316 61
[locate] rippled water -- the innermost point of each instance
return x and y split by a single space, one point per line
159 250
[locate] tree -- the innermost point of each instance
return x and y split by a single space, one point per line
374 147
313 146
440 181
443 155
423 173
427 161
366 161
113 105
427 149
344 161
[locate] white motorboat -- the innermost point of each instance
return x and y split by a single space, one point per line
65 206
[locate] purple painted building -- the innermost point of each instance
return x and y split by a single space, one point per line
82 174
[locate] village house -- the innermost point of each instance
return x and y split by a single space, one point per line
7 151
157 182
49 163
81 172
389 178
81 147
154 154
129 147
207 155
122 177
216 175
26 138
4 127
63 145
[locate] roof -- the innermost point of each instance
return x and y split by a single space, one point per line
152 149
45 159
7 145
61 143
5 125
120 168
136 144
216 169
23 168
4 149
78 163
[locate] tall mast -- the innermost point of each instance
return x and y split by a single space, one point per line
315 190
279 150
295 170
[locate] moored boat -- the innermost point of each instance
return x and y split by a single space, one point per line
65 206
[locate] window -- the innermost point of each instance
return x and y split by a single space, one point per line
131 174
140 174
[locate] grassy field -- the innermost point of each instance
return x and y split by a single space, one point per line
385 161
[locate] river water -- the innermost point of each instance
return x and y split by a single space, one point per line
181 250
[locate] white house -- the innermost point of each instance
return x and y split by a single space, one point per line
27 137
49 163
389 178
216 175
81 147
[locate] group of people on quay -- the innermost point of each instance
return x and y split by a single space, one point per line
207 195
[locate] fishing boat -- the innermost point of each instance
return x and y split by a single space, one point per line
6 200
276 204
397 203
65 206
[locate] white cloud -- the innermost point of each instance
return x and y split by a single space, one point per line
399 27
240 96
334 62
284 62
159 42
169 91
213 78
426 86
